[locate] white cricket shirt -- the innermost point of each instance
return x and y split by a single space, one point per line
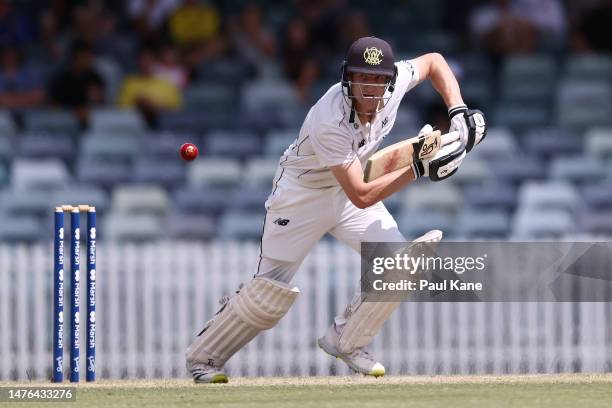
327 138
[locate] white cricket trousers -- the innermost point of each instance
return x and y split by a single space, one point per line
297 218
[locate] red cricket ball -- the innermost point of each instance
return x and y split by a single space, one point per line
189 151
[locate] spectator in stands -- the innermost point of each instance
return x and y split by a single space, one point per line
20 88
78 86
356 25
147 92
168 66
96 27
300 60
150 16
324 19
16 29
592 30
195 28
250 39
516 26
52 45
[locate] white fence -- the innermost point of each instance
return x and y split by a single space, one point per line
152 298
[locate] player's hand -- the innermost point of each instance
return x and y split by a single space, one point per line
470 123
444 164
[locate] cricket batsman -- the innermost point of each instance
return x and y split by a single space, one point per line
319 188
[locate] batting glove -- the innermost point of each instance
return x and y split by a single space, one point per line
470 123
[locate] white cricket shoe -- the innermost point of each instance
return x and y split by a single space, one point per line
207 374
359 359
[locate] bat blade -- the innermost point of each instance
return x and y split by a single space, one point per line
405 153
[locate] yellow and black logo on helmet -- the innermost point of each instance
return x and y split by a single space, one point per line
372 56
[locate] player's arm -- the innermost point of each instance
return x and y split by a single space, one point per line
470 123
364 194
434 67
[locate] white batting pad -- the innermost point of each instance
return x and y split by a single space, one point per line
258 306
365 319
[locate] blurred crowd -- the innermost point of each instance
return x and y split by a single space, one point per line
64 53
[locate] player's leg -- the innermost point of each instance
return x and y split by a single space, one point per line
288 235
355 327
257 306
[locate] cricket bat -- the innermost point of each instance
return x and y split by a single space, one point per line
405 153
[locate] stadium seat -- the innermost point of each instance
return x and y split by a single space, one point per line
584 91
131 227
263 94
25 202
528 69
138 199
166 145
474 65
228 143
21 229
51 120
289 116
407 123
206 199
432 196
520 117
483 224
6 148
598 143
550 142
432 39
269 69
527 93
109 146
241 225
117 121
476 92
491 196
249 198
579 117
515 169
584 103
41 173
499 142
186 121
549 195
592 66
472 171
58 145
260 171
277 141
597 223
190 227
168 173
112 74
102 173
542 224
7 127
598 196
227 70
413 224
4 176
211 97
579 169
262 121
223 172
90 195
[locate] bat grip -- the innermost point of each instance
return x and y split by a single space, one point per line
449 138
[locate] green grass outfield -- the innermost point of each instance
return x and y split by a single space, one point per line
558 391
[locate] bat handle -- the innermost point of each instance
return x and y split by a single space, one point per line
449 137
